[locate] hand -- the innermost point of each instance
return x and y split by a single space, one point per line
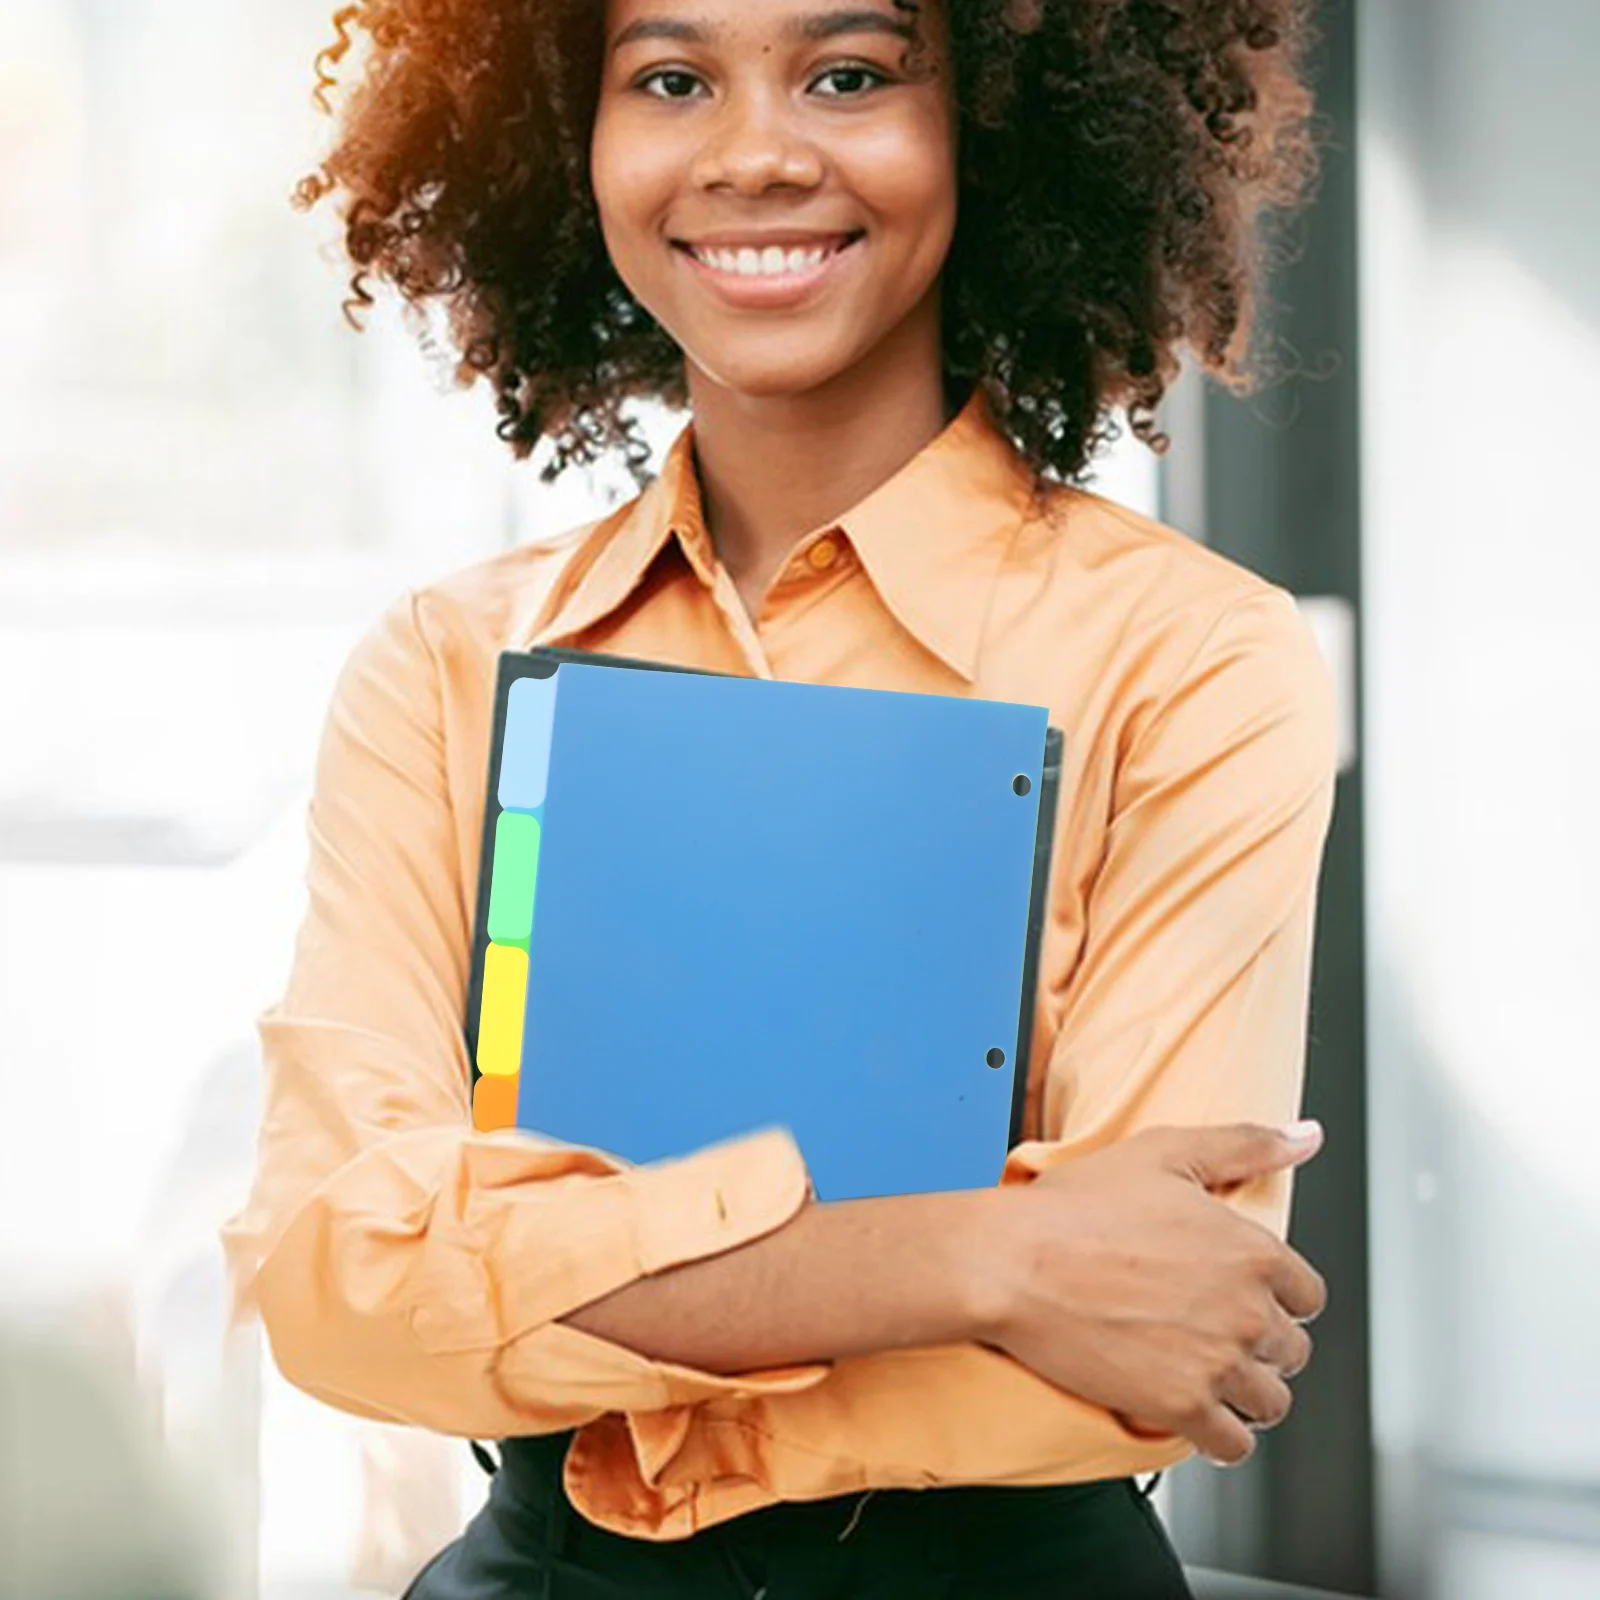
1128 1283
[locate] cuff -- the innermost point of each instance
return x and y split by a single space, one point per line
660 1216
564 1365
719 1197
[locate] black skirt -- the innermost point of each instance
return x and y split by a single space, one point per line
1089 1541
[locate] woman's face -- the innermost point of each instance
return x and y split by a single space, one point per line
775 185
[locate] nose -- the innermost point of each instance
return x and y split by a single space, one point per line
754 144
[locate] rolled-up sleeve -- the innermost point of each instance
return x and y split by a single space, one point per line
406 1266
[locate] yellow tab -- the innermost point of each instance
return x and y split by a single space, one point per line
505 994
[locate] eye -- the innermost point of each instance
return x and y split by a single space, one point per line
670 83
848 82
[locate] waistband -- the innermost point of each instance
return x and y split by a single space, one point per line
530 1475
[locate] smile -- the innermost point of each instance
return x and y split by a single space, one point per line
776 274
767 261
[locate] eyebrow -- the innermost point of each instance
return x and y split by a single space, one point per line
830 24
819 25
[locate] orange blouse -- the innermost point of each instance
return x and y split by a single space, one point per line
412 1267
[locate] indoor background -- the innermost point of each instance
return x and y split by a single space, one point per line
209 486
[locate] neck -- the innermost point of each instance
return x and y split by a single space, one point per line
774 468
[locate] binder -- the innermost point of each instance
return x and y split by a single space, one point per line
710 904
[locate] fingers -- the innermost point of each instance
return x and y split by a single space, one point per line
1286 1347
1297 1285
1252 1398
1220 1435
1258 1394
1220 1158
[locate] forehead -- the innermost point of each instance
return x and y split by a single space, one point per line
712 21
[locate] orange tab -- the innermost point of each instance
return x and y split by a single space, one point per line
494 1102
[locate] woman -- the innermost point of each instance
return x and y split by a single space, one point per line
899 262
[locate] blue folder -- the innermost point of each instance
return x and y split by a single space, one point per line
714 904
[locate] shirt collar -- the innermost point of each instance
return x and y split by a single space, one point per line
931 538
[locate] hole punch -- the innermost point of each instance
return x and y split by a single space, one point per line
996 1057
1021 784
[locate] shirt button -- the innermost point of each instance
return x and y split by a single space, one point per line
823 554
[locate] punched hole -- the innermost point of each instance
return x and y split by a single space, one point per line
996 1057
1021 784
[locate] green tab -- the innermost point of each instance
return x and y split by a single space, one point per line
516 868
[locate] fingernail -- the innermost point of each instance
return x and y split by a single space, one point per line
1305 1133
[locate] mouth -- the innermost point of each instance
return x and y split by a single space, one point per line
774 258
769 271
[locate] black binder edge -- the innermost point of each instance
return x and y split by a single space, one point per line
528 664
514 664
1038 909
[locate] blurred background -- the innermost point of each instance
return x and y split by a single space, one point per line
209 485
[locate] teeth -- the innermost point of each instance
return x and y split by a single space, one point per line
771 262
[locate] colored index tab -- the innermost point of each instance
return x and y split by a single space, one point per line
505 998
494 1103
525 752
515 871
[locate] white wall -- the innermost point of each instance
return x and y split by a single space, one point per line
1481 372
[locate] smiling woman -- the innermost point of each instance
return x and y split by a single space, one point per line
799 163
902 263
1113 160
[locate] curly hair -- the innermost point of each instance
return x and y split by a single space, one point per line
1115 160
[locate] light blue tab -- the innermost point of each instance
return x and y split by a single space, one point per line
525 756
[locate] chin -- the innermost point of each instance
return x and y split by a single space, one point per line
771 376
765 384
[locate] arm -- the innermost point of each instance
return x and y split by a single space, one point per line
1186 1008
1188 1004
388 1245
1119 1276
406 1266
839 1279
